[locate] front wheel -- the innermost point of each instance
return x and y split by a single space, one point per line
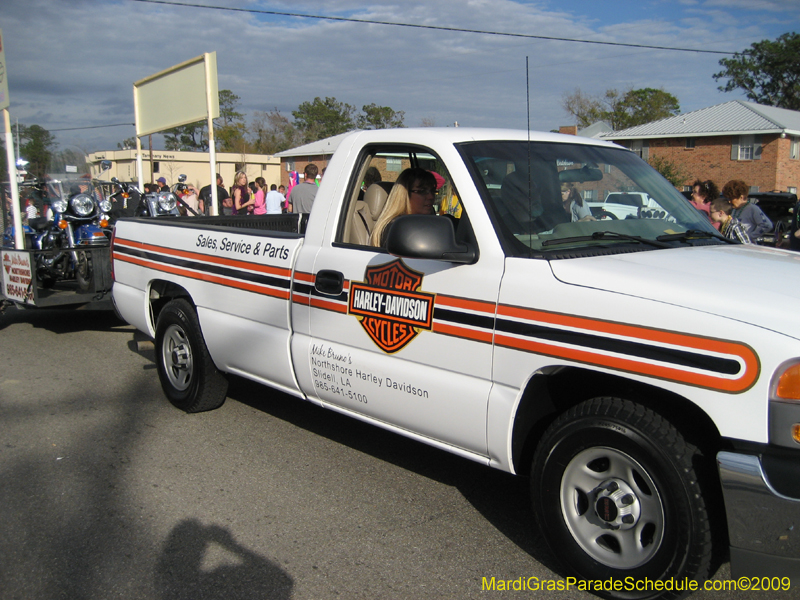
188 376
83 271
616 497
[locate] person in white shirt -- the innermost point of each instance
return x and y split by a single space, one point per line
274 200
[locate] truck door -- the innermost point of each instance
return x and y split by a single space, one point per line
404 343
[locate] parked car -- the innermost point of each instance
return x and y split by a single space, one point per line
624 205
779 207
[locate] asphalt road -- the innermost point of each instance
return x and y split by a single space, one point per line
107 491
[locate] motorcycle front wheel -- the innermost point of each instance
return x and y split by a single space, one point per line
83 272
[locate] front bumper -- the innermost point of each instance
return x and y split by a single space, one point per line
763 524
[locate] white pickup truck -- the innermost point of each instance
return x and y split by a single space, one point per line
630 367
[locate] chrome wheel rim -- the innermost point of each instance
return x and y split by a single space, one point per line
176 356
612 508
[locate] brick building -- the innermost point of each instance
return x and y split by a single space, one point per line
735 140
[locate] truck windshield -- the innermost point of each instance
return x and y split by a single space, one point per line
546 198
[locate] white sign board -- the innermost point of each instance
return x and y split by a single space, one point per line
4 101
17 276
183 94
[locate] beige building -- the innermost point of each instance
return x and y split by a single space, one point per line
170 164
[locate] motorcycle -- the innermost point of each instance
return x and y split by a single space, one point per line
158 204
125 198
79 223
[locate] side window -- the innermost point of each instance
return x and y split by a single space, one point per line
372 182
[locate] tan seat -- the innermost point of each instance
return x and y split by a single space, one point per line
367 212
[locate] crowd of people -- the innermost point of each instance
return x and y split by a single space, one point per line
247 197
730 211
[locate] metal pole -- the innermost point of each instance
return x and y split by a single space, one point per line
19 242
212 151
139 168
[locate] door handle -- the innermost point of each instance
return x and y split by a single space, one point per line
329 282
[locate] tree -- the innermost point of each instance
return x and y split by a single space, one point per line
586 109
634 107
323 118
127 144
379 117
37 149
769 72
645 105
273 132
229 129
670 170
192 137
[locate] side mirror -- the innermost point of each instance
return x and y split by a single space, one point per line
433 238
105 165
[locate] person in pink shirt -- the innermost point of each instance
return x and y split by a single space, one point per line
703 193
260 206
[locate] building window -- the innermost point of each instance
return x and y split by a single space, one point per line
156 167
753 189
687 188
641 148
589 195
794 148
393 164
690 143
746 147
792 190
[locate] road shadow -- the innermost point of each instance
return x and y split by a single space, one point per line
502 499
183 571
60 321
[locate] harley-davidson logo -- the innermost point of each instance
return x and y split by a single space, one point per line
390 306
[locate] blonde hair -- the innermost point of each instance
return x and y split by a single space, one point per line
237 176
398 202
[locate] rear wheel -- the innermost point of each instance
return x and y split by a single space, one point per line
188 376
617 497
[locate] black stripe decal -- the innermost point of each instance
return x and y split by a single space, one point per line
684 358
462 318
276 282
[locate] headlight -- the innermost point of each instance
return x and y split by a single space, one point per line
59 206
167 201
786 383
105 205
82 205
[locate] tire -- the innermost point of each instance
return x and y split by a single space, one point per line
83 272
188 376
616 496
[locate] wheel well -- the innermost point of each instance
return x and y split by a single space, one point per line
551 392
161 292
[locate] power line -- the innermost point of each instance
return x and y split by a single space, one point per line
434 27
93 127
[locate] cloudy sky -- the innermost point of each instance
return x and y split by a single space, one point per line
71 63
